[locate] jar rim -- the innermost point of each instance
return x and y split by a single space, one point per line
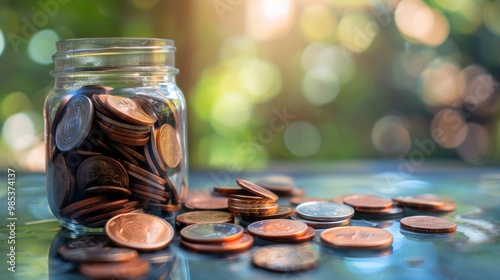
114 41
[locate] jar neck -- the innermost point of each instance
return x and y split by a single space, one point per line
113 61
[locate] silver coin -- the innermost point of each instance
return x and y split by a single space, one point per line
321 224
75 123
324 211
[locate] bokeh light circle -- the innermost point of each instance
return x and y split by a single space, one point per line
302 138
318 23
260 79
2 42
41 46
448 128
390 136
19 131
477 146
320 86
231 109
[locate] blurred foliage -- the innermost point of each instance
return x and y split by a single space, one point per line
283 79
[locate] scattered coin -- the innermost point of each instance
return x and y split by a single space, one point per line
308 236
211 232
131 269
355 237
139 231
321 224
97 254
277 228
324 211
428 224
198 217
285 258
368 202
207 203
427 202
242 243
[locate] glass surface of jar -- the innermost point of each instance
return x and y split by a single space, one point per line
115 131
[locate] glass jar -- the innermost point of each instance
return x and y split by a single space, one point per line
115 131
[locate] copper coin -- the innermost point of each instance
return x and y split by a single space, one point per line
249 198
81 204
63 181
367 202
320 224
97 208
207 203
139 231
285 258
149 159
448 205
228 190
155 197
166 207
240 244
282 212
106 214
235 201
324 211
381 214
283 185
109 119
295 201
354 237
153 151
132 269
250 206
144 173
100 171
136 186
146 180
75 123
308 236
275 228
97 254
128 140
211 232
128 110
198 217
169 146
417 202
108 190
257 190
428 224
262 211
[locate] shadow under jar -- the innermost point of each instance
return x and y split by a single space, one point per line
115 131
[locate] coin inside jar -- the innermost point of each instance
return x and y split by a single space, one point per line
139 231
75 123
356 237
285 258
211 232
428 224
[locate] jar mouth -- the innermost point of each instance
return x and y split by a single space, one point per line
113 54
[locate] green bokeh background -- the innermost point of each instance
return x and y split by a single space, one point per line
239 68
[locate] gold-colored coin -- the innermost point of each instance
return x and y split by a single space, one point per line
169 146
127 109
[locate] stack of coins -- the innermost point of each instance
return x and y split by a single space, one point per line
198 217
215 238
103 262
282 230
321 215
426 203
253 201
372 206
109 148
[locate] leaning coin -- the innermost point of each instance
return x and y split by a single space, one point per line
139 231
211 232
285 258
257 190
101 171
169 146
275 228
428 224
240 244
132 269
355 237
417 202
324 211
75 123
97 254
367 202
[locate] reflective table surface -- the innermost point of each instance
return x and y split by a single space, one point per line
473 252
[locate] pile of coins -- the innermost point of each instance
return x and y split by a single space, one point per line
282 230
111 154
252 200
372 206
323 214
215 238
426 203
